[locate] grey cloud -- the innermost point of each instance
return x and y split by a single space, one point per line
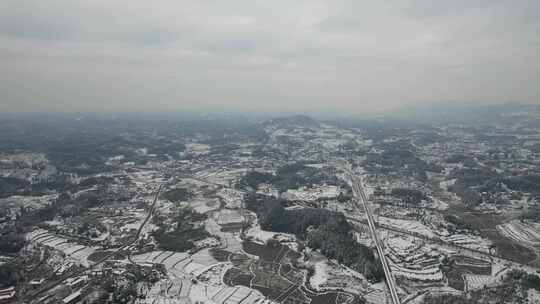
20 19
434 9
344 55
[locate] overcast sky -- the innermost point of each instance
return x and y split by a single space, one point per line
342 56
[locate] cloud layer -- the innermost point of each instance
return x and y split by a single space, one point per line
340 56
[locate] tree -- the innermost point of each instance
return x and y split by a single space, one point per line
10 273
11 243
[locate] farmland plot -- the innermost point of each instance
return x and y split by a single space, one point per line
73 250
524 233
230 241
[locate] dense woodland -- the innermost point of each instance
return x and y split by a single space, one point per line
182 233
322 230
177 195
83 145
472 181
409 196
291 176
513 290
399 157
10 273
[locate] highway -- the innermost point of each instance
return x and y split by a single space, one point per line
359 194
108 256
449 246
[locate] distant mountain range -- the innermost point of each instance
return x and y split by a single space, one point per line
461 112
292 121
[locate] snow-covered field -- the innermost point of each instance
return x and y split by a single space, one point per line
197 149
267 190
410 258
425 274
167 291
32 202
402 245
438 204
331 276
521 232
222 176
473 281
468 241
409 225
214 275
168 258
533 296
179 264
182 268
237 295
376 296
147 179
257 235
228 217
230 241
447 183
203 205
77 252
311 194
232 198
132 219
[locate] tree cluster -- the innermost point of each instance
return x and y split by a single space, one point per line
399 157
184 234
10 274
177 195
291 176
409 196
322 229
513 289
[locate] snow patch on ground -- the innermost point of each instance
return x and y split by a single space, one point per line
320 276
412 226
257 235
533 296
77 252
522 232
232 198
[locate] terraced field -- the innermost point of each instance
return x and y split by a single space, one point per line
77 252
524 233
270 270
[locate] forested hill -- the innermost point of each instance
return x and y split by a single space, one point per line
322 230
